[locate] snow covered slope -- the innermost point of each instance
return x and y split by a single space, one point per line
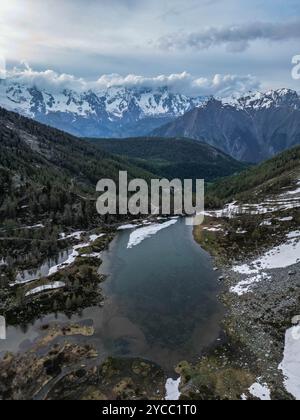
114 112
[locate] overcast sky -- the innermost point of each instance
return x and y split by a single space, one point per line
247 44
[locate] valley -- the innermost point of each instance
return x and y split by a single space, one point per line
149 203
173 158
249 127
123 308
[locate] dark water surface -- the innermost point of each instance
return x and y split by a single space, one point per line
161 301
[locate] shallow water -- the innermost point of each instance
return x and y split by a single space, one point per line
161 301
43 271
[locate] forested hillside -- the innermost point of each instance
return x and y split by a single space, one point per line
45 173
173 157
269 177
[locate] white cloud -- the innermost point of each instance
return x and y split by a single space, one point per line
92 37
185 83
47 79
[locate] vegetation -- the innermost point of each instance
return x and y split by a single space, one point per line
45 173
268 178
173 158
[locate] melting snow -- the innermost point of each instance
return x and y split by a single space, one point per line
38 226
45 288
283 256
233 210
266 223
213 229
290 365
143 233
75 235
293 192
172 389
285 219
75 253
294 235
128 227
93 238
280 257
244 286
260 391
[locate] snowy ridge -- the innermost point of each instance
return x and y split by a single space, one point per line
112 103
119 111
258 101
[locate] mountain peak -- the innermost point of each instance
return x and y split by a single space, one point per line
112 112
272 98
251 128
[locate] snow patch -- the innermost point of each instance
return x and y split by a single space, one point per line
75 235
285 219
294 235
128 227
244 286
38 226
93 238
290 365
260 391
172 389
233 209
146 232
213 229
283 256
45 288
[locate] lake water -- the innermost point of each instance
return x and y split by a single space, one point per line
161 301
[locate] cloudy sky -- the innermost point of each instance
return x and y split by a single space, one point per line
201 46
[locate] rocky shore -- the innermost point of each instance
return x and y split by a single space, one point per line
261 304
56 368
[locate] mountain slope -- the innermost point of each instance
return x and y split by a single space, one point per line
113 112
43 171
252 128
272 177
174 158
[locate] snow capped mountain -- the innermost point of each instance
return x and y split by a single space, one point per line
251 128
272 99
116 111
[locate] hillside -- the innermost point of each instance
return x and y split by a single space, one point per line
252 128
46 172
269 178
174 157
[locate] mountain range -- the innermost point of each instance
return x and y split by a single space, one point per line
251 128
44 170
113 112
